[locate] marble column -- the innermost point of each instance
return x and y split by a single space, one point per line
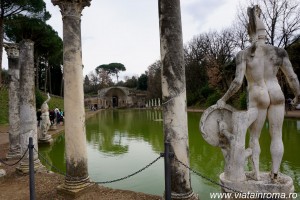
12 51
28 120
77 179
174 97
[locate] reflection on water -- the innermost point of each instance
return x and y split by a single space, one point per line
120 142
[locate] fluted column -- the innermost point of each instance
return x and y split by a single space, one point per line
174 96
28 120
12 51
75 136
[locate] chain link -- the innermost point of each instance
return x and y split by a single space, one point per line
130 175
206 178
103 182
3 162
49 164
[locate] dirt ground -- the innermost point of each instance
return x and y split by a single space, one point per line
16 187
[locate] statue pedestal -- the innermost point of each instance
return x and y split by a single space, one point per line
283 186
2 173
46 140
53 127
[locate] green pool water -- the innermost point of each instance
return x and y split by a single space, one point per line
120 142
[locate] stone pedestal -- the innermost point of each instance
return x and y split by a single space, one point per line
2 173
284 184
47 140
23 168
75 188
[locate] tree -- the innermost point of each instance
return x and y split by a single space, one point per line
48 52
154 81
142 82
131 82
281 18
112 68
8 8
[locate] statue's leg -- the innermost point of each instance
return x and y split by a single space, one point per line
255 130
276 117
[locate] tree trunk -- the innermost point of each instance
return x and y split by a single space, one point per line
46 78
49 81
37 78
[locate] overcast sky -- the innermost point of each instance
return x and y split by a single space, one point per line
127 31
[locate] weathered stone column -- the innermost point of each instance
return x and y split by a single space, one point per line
174 96
12 51
77 178
28 121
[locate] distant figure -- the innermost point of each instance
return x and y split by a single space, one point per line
259 64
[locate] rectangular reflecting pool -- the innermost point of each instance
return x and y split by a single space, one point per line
120 142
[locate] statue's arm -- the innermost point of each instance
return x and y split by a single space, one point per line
291 77
48 99
238 79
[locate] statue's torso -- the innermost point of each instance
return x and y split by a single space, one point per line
261 69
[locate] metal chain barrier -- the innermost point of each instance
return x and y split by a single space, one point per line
103 182
206 178
130 175
3 162
49 164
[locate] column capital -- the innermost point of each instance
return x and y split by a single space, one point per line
71 8
12 50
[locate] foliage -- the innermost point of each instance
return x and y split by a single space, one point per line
5 77
48 49
112 68
212 99
30 8
281 19
243 100
142 82
39 99
154 81
4 105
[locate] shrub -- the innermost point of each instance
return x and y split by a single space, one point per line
212 99
39 99
243 100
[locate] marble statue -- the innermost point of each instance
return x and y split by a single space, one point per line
259 64
223 126
234 151
45 120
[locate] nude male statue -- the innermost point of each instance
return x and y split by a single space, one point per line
259 64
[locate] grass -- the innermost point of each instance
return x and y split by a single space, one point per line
3 105
55 102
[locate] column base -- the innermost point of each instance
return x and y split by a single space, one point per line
75 189
23 168
282 186
187 196
46 140
13 154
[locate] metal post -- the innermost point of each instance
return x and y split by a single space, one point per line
167 172
31 169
